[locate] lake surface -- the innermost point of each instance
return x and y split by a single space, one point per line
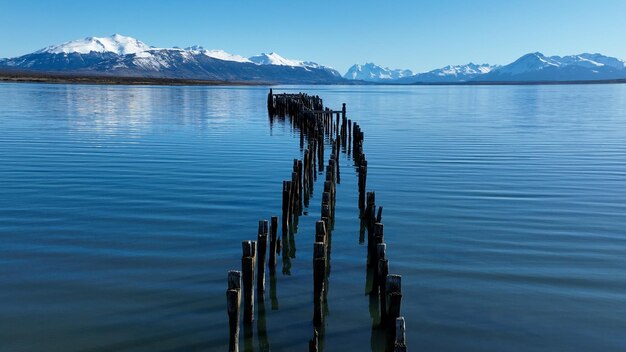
123 208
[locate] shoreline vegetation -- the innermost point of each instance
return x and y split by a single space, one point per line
43 77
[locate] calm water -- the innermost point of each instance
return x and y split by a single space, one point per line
122 208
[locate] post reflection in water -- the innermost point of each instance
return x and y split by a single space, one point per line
264 344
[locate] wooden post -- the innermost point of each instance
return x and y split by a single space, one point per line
285 215
270 103
320 231
247 269
273 243
394 299
400 342
320 152
319 273
381 255
262 251
383 271
337 173
377 238
314 342
294 196
233 303
349 142
369 215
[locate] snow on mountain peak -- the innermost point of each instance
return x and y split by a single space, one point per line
117 43
372 72
217 54
529 62
275 59
591 61
469 70
535 62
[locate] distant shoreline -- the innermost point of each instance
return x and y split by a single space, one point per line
53 78
21 77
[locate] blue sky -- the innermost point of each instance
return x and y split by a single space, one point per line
420 35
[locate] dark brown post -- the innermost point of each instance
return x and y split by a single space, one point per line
270 103
320 231
286 195
273 243
394 299
381 256
233 303
349 142
379 237
314 342
247 269
383 271
400 342
262 251
319 273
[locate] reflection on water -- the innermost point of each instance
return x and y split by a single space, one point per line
123 208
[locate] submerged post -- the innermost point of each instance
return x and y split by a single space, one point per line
319 273
394 299
273 243
247 269
262 251
314 342
400 341
233 302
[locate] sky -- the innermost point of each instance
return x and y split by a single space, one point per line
418 35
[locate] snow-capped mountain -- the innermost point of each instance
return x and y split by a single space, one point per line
216 54
117 44
119 55
374 73
450 74
538 67
275 59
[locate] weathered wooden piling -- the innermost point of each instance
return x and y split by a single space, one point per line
394 299
381 255
320 231
369 214
273 243
247 269
349 141
233 302
319 274
294 207
270 103
383 271
362 184
261 253
377 238
400 340
286 211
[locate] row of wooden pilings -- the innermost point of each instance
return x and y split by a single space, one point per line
316 124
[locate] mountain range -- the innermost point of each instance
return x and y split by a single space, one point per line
122 56
533 67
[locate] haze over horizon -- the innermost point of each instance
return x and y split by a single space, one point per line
416 36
